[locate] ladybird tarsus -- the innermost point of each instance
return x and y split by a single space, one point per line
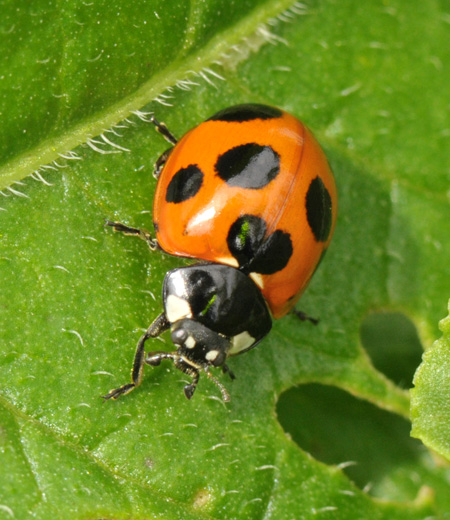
135 232
163 130
304 317
159 325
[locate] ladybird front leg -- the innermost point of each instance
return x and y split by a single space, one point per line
156 329
141 233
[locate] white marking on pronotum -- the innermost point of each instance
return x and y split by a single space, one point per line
258 279
177 308
241 342
266 466
228 261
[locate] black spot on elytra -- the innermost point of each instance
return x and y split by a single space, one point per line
318 210
253 251
249 166
184 184
273 255
245 237
248 112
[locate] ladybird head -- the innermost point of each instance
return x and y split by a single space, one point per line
198 343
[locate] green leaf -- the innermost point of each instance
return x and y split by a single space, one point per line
77 81
430 408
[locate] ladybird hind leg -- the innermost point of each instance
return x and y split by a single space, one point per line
156 329
131 231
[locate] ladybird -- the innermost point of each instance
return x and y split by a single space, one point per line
249 194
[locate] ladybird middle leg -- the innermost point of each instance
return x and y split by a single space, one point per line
131 231
160 325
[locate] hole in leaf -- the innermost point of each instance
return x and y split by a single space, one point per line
336 428
392 342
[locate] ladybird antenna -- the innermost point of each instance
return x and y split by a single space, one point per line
225 395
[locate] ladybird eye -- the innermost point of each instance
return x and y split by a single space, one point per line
318 209
250 166
185 184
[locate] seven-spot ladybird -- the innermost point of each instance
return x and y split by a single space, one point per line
249 193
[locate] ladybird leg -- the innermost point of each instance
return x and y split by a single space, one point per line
194 373
160 162
223 390
155 358
226 370
304 317
156 329
163 130
141 233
